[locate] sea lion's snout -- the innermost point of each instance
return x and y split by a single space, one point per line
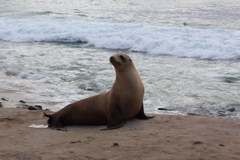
111 59
114 61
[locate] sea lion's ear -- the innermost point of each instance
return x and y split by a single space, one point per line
47 115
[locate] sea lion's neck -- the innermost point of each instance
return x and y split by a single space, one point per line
128 78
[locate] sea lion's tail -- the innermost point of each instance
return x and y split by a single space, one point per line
53 123
50 118
47 115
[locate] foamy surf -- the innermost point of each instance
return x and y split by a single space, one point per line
151 39
38 126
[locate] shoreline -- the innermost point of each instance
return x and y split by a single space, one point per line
13 99
164 137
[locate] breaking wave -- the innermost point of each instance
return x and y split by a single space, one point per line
151 39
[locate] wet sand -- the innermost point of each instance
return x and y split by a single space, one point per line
163 138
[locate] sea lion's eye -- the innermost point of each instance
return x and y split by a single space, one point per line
123 58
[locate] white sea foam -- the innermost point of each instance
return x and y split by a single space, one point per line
38 126
151 39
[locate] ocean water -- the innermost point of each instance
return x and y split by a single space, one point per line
187 53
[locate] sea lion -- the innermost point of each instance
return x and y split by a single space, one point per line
123 102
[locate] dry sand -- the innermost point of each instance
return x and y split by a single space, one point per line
162 138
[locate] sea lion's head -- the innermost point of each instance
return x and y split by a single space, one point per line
121 61
51 121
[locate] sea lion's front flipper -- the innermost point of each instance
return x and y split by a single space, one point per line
115 120
141 115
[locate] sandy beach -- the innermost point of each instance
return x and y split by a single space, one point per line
163 138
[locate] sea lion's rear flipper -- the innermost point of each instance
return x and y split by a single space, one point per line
113 127
141 115
61 129
47 115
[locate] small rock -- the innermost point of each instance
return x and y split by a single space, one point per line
193 114
11 73
32 108
231 109
22 101
222 145
36 107
26 106
1 105
163 109
115 144
76 141
23 106
197 142
4 99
